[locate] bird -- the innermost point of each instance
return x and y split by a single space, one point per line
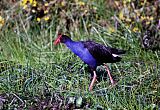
93 54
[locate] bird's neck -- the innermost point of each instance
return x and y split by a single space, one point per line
70 43
75 46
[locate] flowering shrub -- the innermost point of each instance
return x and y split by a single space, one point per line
67 12
36 10
142 17
139 15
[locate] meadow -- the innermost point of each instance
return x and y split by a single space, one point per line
36 75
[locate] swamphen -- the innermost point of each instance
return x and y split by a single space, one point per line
92 53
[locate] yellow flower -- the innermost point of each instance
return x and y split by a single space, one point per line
136 29
142 3
46 18
1 21
128 19
30 1
151 18
111 29
81 3
23 2
121 15
143 18
38 19
46 11
34 3
63 3
46 4
148 22
24 7
124 1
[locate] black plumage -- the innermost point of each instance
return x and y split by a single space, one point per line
103 54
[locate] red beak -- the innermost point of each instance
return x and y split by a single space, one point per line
57 41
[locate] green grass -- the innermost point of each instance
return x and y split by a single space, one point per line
32 67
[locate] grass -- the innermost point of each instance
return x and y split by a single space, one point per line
35 74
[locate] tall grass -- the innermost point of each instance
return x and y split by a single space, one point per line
31 66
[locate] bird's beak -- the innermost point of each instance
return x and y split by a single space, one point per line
57 41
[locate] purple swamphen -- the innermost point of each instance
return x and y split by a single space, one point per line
92 53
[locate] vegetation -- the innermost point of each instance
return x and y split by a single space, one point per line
34 74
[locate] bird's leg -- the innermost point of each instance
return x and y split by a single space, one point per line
111 79
93 80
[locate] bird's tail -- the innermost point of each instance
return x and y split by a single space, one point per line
117 51
117 59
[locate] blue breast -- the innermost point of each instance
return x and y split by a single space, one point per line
78 49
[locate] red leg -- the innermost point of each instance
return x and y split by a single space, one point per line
109 74
93 81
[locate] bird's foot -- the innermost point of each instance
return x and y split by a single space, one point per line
114 83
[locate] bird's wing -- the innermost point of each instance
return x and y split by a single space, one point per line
100 52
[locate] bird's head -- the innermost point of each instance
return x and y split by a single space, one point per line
61 39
